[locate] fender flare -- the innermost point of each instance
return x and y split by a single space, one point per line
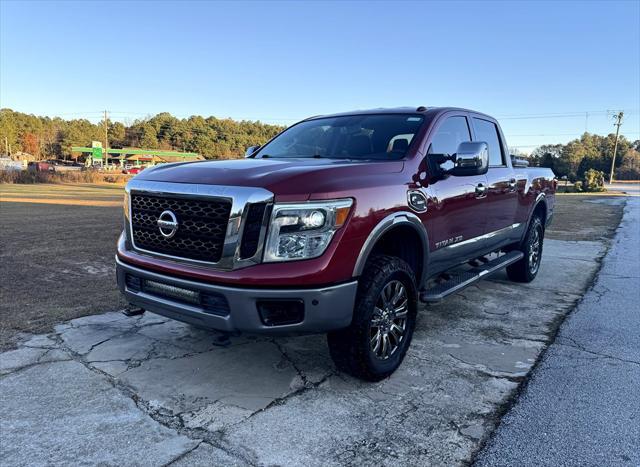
539 199
400 218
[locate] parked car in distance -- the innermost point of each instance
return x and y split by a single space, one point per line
41 167
6 163
132 170
341 224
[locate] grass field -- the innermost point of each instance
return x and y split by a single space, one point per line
56 260
58 246
81 194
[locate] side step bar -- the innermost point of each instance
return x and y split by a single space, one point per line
464 279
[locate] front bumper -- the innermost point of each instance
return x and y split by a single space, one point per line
325 308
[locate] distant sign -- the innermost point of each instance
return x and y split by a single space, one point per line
96 144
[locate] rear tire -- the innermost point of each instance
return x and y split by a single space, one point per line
384 318
527 268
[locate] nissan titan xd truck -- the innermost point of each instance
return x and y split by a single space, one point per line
341 224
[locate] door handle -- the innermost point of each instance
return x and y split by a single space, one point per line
481 190
512 184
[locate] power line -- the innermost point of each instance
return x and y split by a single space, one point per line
183 115
563 134
563 114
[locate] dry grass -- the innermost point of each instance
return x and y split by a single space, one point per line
88 176
68 202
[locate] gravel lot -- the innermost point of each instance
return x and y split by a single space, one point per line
150 391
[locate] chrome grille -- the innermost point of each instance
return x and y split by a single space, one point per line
202 225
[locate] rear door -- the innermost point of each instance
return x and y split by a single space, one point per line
459 215
502 197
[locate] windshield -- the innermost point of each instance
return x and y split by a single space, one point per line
380 137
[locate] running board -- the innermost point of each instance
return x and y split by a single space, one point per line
464 279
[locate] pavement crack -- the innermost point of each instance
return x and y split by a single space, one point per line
303 377
582 348
31 365
183 455
282 400
93 346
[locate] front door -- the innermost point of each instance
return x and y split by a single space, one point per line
457 215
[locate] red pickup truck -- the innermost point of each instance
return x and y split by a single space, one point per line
340 224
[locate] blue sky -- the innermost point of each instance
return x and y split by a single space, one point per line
537 66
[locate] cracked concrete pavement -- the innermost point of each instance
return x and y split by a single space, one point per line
150 391
582 403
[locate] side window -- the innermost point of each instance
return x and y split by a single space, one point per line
451 133
486 131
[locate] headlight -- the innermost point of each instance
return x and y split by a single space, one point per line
303 231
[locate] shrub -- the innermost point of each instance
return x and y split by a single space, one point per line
594 180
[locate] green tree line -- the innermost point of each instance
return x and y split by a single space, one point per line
213 138
590 151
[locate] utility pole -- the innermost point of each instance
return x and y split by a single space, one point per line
618 118
105 153
586 122
6 145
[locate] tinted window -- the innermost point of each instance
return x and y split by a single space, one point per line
486 131
451 133
349 137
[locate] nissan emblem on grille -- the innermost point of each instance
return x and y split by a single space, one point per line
167 224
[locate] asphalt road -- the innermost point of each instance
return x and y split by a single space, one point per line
628 188
582 403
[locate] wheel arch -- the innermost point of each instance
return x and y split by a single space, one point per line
399 225
539 206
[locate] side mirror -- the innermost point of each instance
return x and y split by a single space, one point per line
472 158
250 150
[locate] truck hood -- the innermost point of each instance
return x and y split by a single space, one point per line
295 178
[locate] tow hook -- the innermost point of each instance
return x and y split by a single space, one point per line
131 310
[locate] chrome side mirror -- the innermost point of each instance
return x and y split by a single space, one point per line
472 158
251 150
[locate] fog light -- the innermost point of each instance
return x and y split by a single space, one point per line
133 283
280 312
214 303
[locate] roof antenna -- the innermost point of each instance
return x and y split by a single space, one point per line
422 108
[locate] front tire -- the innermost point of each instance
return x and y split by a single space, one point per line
384 318
527 268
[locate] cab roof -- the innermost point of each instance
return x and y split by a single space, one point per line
421 110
